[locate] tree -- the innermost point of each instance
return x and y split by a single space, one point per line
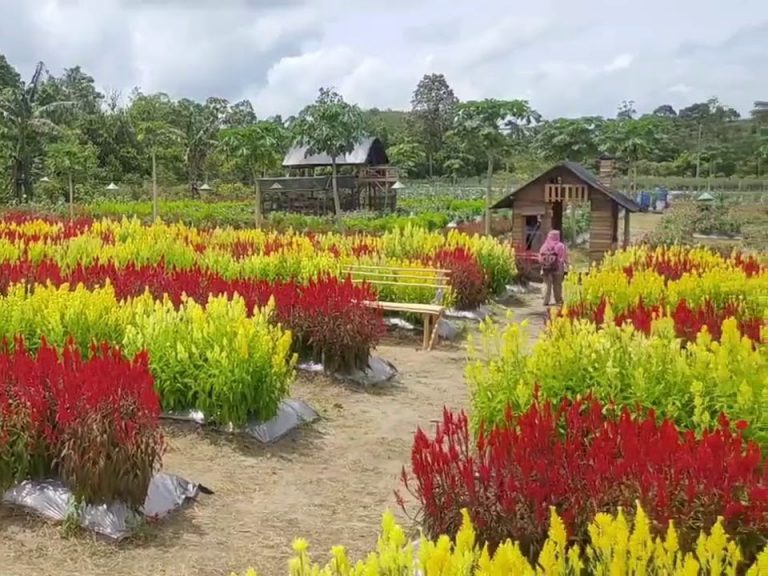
665 111
199 123
240 114
330 126
433 106
25 123
569 139
632 140
9 77
626 110
408 156
760 111
256 148
487 123
154 136
73 160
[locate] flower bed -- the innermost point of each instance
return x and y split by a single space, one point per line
617 546
93 422
326 317
216 357
692 385
695 287
581 458
688 320
254 254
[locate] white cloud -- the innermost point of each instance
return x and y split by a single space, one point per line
621 62
568 57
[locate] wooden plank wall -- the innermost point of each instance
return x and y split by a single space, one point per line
604 222
528 201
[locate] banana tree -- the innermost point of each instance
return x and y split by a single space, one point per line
25 125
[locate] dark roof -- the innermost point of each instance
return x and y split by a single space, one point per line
368 151
582 174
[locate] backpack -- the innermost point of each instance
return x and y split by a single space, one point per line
549 261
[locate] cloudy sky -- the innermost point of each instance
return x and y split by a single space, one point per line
567 57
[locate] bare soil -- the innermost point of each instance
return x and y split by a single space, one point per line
329 482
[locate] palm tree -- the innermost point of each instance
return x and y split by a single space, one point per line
24 121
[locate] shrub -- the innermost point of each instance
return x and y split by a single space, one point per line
331 323
94 422
582 457
216 357
692 385
467 281
688 320
617 546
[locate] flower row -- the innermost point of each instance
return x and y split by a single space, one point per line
327 317
617 545
93 422
218 357
692 385
672 262
581 458
688 320
253 253
667 276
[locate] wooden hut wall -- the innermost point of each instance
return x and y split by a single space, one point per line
528 201
604 225
308 195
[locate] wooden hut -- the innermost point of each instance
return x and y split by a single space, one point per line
539 206
366 182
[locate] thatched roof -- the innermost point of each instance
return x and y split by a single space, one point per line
582 174
370 151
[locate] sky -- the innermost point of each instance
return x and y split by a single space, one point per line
566 57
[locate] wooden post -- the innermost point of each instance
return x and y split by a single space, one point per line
488 196
626 228
71 198
154 185
257 188
573 223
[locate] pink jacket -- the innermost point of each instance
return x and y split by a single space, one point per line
553 243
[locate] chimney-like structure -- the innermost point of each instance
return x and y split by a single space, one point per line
606 170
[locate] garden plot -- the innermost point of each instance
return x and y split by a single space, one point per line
329 482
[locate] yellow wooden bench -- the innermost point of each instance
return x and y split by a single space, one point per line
432 278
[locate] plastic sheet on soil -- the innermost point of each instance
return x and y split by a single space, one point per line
476 315
447 330
53 500
378 373
290 415
399 323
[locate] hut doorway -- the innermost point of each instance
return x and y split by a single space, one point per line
557 217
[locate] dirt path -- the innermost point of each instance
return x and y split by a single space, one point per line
328 483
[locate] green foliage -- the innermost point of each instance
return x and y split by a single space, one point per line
330 125
433 107
213 358
692 385
256 148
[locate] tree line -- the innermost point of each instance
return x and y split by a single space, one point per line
62 129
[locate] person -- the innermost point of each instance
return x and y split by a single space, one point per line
553 257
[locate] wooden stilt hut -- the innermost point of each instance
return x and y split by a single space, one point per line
540 206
